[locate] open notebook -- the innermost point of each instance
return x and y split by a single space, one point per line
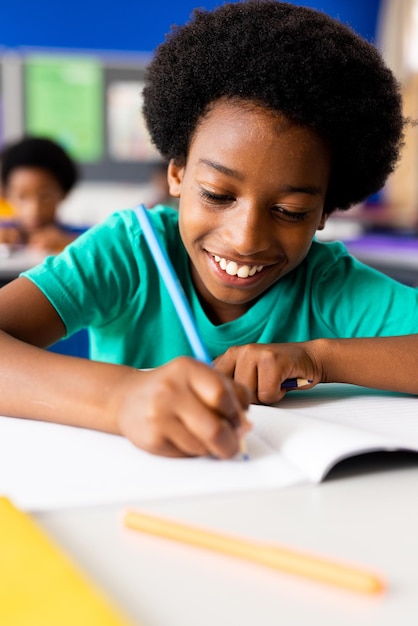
46 466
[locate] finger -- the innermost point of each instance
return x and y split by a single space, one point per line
151 439
245 394
270 390
185 442
269 387
168 450
216 391
240 363
246 374
159 447
218 436
168 438
225 363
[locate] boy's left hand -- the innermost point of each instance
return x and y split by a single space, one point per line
264 367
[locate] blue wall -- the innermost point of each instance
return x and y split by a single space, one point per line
132 25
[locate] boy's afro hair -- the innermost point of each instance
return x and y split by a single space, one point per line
41 153
294 60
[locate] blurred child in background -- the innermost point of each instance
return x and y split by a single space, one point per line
36 175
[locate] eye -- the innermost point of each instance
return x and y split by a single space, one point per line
290 216
215 198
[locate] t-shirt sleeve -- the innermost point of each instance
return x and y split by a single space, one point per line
91 280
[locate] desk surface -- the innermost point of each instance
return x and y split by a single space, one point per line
365 513
14 261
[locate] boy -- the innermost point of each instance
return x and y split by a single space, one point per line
271 116
36 176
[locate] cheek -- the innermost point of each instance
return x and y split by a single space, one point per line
185 228
297 242
192 221
48 212
23 208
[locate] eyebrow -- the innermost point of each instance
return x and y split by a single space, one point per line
312 190
221 168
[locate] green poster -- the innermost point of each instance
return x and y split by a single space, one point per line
64 101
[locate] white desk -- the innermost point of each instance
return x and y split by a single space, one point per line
367 515
16 260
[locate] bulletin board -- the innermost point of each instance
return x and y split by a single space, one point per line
92 105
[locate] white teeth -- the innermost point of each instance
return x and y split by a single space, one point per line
243 271
233 269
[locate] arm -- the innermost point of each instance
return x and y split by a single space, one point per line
184 408
388 363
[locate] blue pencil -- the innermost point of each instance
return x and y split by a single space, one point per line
175 290
295 383
173 285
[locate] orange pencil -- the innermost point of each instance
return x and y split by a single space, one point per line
274 556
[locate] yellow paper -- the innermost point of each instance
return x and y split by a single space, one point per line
39 586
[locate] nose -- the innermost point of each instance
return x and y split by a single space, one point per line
249 230
31 212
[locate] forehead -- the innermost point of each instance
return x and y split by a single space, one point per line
247 134
27 177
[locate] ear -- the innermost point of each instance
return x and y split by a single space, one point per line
175 175
323 221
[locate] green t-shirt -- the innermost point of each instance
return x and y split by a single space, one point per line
107 281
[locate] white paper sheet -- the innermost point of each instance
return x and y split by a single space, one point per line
48 466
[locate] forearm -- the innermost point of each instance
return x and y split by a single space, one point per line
52 387
183 408
389 363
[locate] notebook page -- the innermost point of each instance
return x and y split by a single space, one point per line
47 466
390 414
311 445
317 428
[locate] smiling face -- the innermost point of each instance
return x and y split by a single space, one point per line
251 198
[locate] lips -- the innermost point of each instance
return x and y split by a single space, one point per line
234 269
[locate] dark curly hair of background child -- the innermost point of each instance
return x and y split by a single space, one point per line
41 153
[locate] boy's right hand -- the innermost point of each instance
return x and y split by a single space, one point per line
183 408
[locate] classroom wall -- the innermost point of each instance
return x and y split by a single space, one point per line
128 25
105 29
